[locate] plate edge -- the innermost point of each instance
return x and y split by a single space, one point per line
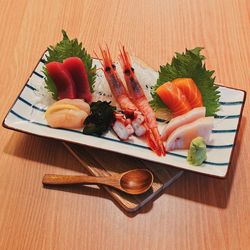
216 176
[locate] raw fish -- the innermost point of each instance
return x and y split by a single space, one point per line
67 113
79 103
67 118
190 90
173 97
61 77
78 72
180 120
182 136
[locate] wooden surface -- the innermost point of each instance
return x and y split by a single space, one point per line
104 166
196 212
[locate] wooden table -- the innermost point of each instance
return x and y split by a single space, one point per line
196 212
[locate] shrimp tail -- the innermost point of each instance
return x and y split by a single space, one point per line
158 139
140 100
131 101
153 144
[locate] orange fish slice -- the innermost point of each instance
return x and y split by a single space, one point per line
173 97
190 90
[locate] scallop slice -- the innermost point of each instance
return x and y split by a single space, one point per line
59 106
67 118
81 104
67 113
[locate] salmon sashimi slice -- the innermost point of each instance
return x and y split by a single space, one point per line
190 90
173 97
181 120
67 118
181 137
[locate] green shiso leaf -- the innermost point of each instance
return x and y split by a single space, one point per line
189 65
62 50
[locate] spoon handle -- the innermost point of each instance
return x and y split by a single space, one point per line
53 179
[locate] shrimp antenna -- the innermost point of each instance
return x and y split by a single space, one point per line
108 52
100 60
104 56
120 47
97 57
121 57
126 55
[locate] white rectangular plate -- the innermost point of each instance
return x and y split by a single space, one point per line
27 115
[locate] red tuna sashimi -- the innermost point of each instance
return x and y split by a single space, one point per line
79 74
64 83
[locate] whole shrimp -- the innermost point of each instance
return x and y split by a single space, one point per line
117 88
139 99
127 105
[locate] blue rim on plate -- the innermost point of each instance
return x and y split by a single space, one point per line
25 115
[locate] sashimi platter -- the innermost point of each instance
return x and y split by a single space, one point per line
176 116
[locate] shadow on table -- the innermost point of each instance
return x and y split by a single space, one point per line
199 188
53 155
42 150
205 189
100 193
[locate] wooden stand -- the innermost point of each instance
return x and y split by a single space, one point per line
103 163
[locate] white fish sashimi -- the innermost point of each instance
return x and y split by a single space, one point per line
181 137
181 120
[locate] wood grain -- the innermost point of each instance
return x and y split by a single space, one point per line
197 212
104 166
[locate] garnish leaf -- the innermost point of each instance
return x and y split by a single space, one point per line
189 65
62 50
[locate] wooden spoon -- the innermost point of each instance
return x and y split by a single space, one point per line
136 181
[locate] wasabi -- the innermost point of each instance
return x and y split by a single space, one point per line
197 152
